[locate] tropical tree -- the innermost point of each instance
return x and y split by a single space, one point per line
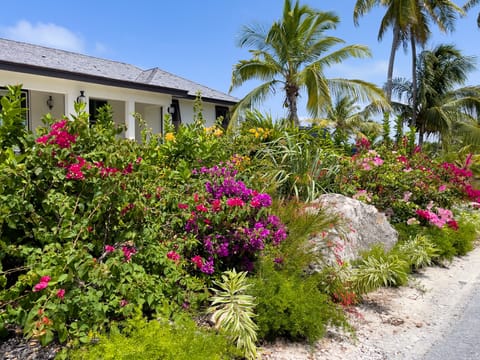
293 54
469 5
348 120
410 21
441 107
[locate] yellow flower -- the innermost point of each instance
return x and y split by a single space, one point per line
169 136
218 132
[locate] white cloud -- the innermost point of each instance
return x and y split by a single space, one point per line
46 34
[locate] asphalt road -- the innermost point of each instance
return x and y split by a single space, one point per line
462 340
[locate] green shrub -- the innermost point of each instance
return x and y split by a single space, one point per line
290 302
377 269
158 340
418 252
293 306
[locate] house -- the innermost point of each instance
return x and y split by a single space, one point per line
54 79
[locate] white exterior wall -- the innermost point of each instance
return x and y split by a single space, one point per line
186 112
121 99
38 107
124 101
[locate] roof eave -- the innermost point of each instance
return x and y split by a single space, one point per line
69 75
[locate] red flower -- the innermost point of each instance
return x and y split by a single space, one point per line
232 202
201 208
172 255
61 293
198 261
182 206
216 205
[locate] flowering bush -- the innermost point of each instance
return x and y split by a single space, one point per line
230 220
401 184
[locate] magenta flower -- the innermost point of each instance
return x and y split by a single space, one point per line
442 188
235 201
109 248
201 208
198 261
182 206
45 279
61 293
174 256
128 251
42 284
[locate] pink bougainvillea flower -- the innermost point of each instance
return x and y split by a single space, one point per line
201 208
216 205
61 293
109 248
198 261
442 188
235 201
377 161
128 251
172 255
45 279
42 284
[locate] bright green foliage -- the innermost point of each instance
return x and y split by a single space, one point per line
233 311
158 340
387 141
300 164
12 119
419 251
377 269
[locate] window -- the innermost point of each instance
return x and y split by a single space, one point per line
4 91
176 117
222 111
93 106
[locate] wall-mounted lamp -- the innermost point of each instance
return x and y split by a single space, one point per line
50 102
82 99
171 109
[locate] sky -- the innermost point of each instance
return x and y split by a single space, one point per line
197 40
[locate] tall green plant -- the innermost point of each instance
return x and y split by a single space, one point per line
233 311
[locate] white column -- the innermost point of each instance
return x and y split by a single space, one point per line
130 119
69 100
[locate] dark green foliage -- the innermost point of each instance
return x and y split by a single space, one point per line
292 306
158 340
289 300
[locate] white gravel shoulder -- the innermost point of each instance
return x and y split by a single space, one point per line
396 323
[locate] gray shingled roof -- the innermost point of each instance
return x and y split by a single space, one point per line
48 58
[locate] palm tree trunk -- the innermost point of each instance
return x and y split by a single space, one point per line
292 95
391 61
415 87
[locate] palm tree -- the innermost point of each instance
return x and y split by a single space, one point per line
292 54
440 107
469 5
347 119
409 20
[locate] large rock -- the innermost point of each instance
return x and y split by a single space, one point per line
360 227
